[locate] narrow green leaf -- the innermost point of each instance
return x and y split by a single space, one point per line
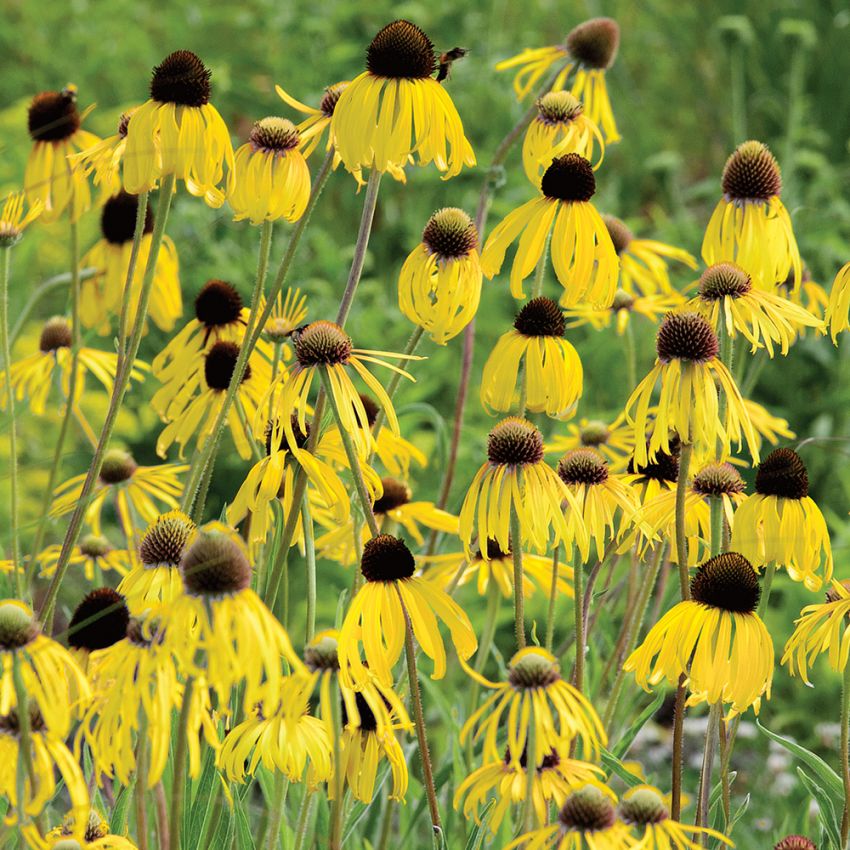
118 820
828 818
630 734
613 765
479 831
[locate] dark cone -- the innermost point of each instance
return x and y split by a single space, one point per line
718 479
55 334
371 408
514 442
322 343
686 336
330 98
540 317
181 78
215 565
118 218
218 303
569 178
665 467
17 626
583 466
724 280
594 43
795 842
450 233
99 621
594 433
643 806
751 173
386 558
274 135
166 539
727 581
532 669
620 235
53 115
394 496
321 653
782 473
220 363
587 810
401 50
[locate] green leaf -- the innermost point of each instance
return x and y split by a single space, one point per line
205 798
476 837
630 734
118 820
828 817
613 765
244 838
738 814
829 779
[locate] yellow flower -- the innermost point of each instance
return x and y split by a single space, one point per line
657 476
137 491
324 345
559 127
600 495
54 682
48 753
104 158
439 287
286 316
220 629
13 222
838 309
589 50
822 627
515 478
643 262
33 376
96 835
506 781
615 440
750 225
96 555
178 131
51 178
586 821
155 578
137 691
690 374
623 307
192 413
553 373
583 255
534 693
643 807
762 318
456 569
101 296
287 739
318 120
395 109
767 426
781 524
715 639
378 616
270 178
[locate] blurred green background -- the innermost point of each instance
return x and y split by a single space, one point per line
672 93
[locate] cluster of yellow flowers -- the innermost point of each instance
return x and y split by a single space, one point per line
186 666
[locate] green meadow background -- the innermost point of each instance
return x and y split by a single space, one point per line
673 90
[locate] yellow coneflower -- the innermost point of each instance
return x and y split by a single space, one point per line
96 555
838 309
287 315
456 569
96 835
54 682
178 131
766 425
51 178
101 296
615 440
99 621
586 821
104 158
623 307
656 517
690 374
715 639
589 50
506 781
780 523
515 478
643 807
192 413
606 501
49 754
439 287
762 318
33 376
136 685
312 128
325 345
644 262
218 614
559 127
270 178
138 491
378 616
553 373
822 627
271 478
155 578
750 225
393 506
656 476
583 255
534 693
396 109
13 222
287 739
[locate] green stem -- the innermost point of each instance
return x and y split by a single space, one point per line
419 720
519 599
631 355
370 202
310 553
727 354
5 263
303 823
578 598
206 457
724 772
122 380
337 804
681 539
553 597
281 784
386 824
141 783
705 772
766 586
540 270
351 454
845 753
178 788
26 766
678 729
